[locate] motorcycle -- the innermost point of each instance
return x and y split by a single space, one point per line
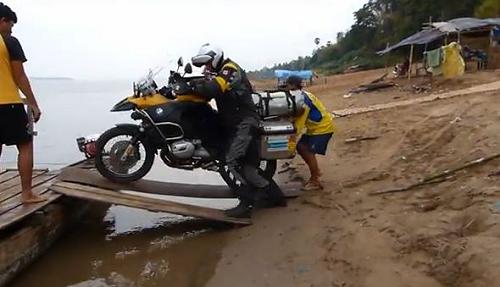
183 129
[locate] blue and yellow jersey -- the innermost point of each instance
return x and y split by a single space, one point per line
315 119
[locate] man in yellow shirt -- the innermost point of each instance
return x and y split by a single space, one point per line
14 124
319 128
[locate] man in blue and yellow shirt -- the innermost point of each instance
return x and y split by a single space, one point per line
319 129
13 117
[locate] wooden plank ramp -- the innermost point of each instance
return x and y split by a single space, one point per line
157 205
93 178
87 183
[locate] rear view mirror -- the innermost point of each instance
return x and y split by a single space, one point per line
188 69
180 62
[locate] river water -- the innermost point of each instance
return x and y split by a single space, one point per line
115 245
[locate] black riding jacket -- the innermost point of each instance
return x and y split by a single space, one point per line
232 92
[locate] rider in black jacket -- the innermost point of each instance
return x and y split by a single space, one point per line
232 92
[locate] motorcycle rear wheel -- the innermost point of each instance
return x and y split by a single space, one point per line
107 162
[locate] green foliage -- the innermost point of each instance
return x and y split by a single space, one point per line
382 22
488 9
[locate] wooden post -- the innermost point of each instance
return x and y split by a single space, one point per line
411 62
491 39
385 56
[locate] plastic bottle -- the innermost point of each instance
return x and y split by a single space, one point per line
31 122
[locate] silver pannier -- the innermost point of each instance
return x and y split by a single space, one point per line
277 140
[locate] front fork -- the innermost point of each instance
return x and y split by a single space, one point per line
129 151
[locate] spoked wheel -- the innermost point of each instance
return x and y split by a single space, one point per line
122 157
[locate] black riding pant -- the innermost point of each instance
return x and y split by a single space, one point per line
242 155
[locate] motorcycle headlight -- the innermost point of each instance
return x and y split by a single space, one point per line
137 116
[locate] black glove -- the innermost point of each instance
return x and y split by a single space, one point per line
197 86
166 92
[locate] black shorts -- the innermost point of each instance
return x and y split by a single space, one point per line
13 125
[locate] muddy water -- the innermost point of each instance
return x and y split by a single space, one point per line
120 246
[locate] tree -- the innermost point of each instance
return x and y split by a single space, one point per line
380 22
488 9
317 41
340 36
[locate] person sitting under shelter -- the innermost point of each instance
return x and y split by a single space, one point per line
401 69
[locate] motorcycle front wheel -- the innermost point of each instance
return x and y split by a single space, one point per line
122 157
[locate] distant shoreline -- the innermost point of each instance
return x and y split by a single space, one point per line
53 78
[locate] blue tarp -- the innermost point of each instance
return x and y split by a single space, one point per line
284 74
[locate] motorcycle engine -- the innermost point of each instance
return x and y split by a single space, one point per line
184 149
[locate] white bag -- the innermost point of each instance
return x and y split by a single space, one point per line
279 103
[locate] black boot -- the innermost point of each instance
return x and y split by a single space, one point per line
270 196
276 195
242 210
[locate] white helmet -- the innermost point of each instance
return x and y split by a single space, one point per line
208 53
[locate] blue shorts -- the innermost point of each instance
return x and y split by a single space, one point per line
316 143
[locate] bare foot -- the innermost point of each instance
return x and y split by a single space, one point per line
312 185
33 198
314 180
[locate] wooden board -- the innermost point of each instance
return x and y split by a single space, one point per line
14 190
8 175
16 179
93 178
157 205
11 208
15 201
83 164
24 210
489 87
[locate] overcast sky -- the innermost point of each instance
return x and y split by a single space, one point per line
105 39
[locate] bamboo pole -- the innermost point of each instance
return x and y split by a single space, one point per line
411 62
440 177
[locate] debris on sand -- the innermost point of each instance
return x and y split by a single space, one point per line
372 87
376 84
360 138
